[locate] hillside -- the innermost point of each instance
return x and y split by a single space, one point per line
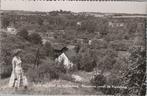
101 47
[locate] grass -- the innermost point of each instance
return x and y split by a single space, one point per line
54 87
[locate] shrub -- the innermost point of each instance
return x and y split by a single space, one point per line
35 38
46 71
23 33
86 60
101 80
108 60
5 70
110 90
99 44
118 45
48 49
5 22
135 75
98 80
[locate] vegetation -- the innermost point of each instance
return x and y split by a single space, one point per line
110 50
35 38
135 75
23 33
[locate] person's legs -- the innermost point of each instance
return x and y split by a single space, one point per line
18 77
15 85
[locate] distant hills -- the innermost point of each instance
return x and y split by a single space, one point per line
96 14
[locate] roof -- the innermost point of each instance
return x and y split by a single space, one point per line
70 46
58 46
71 53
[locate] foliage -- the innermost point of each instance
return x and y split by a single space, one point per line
23 33
98 44
98 80
35 38
102 54
88 26
47 70
86 60
120 45
49 51
7 47
108 60
135 75
5 22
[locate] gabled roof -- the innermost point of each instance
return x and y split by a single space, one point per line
58 46
71 53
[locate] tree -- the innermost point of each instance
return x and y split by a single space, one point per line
35 38
48 49
23 33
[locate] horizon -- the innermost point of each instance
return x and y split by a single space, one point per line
77 6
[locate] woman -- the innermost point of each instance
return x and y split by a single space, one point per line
17 78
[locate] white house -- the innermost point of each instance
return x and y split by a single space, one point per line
11 30
66 62
79 23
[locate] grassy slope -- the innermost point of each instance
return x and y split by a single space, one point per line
45 89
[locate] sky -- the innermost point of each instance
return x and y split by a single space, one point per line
76 6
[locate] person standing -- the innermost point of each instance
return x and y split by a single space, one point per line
17 78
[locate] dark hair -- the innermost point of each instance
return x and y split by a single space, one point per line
17 51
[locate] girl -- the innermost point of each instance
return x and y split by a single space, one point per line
17 78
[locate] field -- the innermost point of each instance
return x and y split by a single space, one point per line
105 48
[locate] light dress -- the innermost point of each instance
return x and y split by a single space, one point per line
17 78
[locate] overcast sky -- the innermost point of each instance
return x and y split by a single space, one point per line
76 6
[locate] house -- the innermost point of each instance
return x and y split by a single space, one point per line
115 24
63 59
79 23
44 41
66 56
11 30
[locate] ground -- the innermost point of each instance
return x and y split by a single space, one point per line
54 87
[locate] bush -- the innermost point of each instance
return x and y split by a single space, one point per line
110 90
99 44
35 38
118 45
108 60
135 75
48 49
98 80
45 71
86 60
23 33
5 70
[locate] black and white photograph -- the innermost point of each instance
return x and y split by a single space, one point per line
73 47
